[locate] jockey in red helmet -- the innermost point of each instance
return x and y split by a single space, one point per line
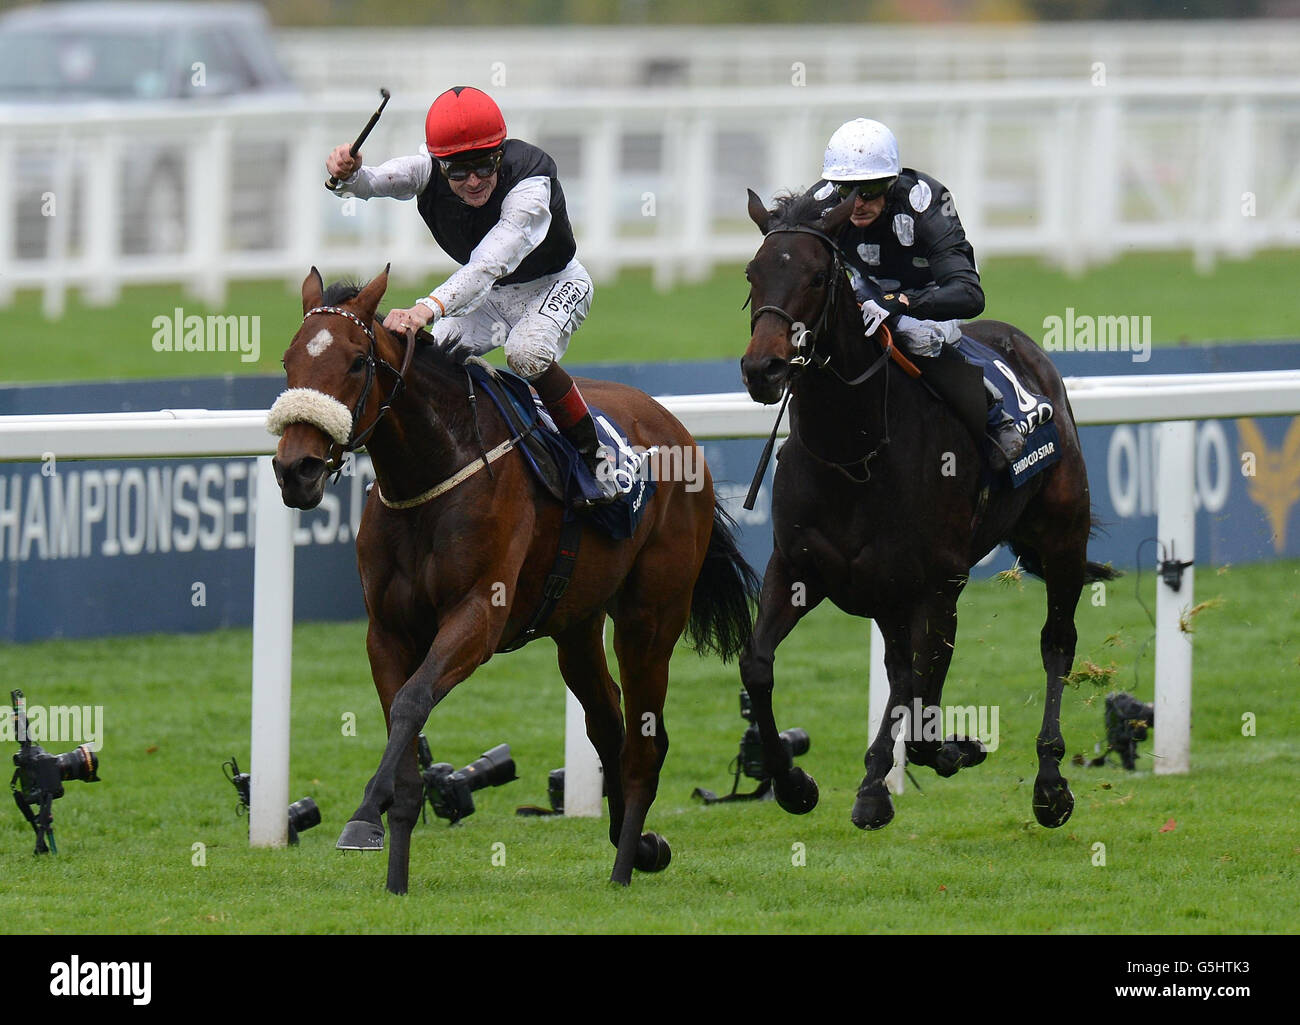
495 205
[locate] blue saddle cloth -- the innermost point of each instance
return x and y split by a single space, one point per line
618 519
1032 412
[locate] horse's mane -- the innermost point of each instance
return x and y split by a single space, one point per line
427 351
797 208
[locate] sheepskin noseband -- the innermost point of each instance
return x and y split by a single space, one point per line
309 406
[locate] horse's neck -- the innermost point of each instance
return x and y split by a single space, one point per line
422 440
839 414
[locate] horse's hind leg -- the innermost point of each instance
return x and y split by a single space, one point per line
783 602
644 635
1063 569
586 672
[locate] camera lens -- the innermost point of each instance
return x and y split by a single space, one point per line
303 815
490 770
79 764
796 741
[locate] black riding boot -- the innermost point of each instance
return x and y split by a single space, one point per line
1008 442
569 411
583 436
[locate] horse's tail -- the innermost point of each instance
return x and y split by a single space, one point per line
721 621
1032 562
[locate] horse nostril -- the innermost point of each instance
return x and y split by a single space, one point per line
773 367
309 469
302 472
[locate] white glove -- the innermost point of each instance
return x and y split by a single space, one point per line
873 315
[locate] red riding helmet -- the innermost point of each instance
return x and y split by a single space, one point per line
463 118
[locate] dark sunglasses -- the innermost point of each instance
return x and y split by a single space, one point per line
867 190
459 170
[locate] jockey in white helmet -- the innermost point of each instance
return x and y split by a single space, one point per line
910 259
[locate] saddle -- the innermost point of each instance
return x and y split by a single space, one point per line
557 465
956 378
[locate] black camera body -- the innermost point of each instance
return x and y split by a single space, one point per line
38 777
749 760
450 791
302 814
1127 722
795 741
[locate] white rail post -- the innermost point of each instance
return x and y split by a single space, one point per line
268 817
877 705
584 783
1176 528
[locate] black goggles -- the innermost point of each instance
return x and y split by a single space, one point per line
483 166
866 190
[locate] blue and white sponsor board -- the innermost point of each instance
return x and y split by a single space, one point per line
101 547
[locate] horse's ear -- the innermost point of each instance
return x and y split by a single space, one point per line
758 213
368 298
313 288
834 218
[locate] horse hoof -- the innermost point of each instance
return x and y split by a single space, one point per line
358 835
1053 803
873 809
653 853
798 793
958 754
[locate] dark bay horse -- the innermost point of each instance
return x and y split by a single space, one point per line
877 507
433 566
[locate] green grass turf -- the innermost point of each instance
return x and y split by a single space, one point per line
963 857
630 322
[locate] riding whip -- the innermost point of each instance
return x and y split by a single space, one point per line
333 182
757 482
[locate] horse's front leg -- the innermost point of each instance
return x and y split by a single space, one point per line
466 637
783 602
393 661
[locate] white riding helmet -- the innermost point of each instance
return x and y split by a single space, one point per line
860 150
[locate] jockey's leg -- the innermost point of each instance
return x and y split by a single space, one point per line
473 334
533 348
928 338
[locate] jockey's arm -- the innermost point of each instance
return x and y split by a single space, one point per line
525 220
399 178
956 292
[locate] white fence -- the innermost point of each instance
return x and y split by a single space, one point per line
1069 171
242 432
427 60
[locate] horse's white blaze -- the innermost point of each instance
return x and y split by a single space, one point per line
320 342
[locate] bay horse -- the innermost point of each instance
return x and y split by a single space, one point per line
878 506
433 569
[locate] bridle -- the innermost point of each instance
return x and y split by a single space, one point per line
807 339
334 464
